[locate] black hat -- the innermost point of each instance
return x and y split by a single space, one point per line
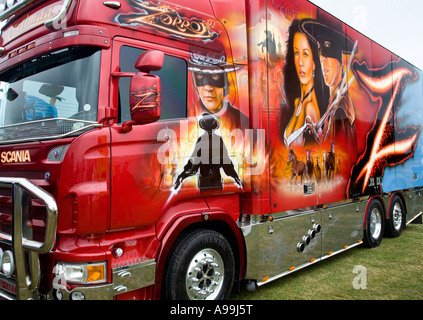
208 122
211 69
210 64
332 41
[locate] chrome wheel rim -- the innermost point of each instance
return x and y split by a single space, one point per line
397 216
375 223
205 275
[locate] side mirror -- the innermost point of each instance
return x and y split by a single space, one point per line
145 89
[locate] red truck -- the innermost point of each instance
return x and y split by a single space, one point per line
178 149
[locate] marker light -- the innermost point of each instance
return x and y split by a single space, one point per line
95 273
70 33
58 153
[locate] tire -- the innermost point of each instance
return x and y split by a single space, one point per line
375 224
396 222
201 267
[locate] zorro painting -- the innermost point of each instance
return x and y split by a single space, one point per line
209 156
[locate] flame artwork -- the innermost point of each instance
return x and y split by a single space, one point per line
386 144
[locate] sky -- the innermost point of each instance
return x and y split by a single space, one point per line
396 25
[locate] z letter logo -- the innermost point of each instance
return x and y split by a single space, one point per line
144 99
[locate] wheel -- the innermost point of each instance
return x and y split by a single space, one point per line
375 224
396 222
201 267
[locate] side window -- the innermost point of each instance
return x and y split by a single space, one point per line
173 76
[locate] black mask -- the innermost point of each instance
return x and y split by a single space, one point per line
214 80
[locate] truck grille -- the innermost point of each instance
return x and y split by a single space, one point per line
28 219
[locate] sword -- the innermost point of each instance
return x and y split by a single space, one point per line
308 123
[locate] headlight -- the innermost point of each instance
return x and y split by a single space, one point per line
81 273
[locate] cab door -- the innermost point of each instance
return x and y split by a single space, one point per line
146 159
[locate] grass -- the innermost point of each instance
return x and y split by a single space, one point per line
394 271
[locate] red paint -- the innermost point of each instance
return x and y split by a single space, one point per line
117 185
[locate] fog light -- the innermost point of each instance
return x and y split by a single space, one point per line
58 294
7 263
77 295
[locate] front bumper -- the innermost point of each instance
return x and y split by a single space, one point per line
23 282
125 279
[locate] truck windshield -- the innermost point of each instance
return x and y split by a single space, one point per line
51 96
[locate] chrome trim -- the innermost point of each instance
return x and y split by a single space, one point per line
413 201
292 245
51 24
125 279
18 186
272 256
375 225
103 292
112 4
6 296
414 204
134 277
27 279
278 276
47 120
397 216
414 217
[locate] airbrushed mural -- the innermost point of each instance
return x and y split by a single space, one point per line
338 120
207 152
309 112
341 123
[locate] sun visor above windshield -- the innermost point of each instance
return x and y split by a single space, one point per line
23 17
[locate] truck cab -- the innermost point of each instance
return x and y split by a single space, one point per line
95 118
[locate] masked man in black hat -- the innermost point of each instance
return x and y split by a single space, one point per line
211 81
209 156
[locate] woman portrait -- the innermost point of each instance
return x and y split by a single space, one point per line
306 94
